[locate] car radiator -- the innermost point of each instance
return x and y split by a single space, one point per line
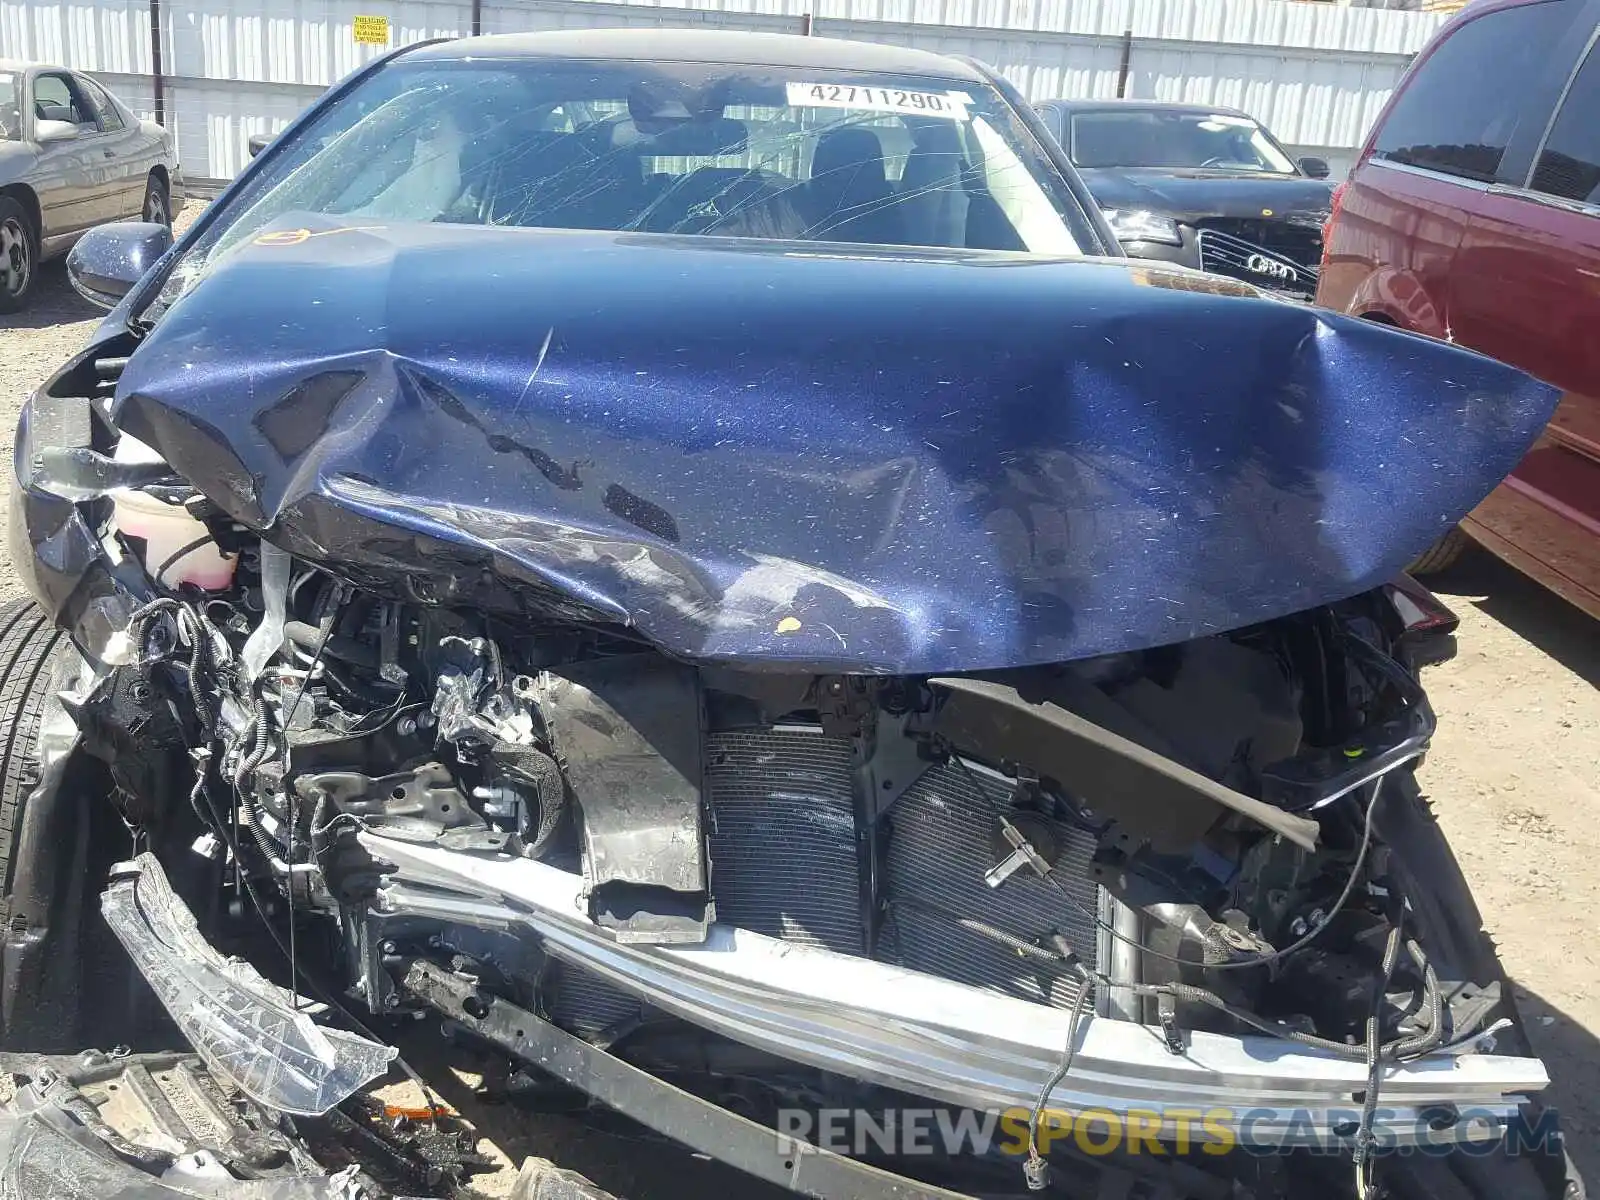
783 863
782 848
783 842
945 920
584 1003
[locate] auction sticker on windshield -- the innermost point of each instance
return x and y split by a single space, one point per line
872 98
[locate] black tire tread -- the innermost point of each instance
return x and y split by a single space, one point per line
28 643
1440 556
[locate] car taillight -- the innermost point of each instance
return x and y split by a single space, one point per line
1419 610
1333 214
1427 626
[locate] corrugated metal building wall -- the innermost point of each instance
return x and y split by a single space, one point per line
1315 73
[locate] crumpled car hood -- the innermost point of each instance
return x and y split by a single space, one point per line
811 456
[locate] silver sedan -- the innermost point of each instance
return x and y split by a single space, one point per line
72 156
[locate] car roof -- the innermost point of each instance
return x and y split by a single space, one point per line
706 46
1477 8
1081 106
16 66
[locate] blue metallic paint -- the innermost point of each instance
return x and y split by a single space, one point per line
797 455
108 261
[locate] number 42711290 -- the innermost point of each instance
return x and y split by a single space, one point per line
873 98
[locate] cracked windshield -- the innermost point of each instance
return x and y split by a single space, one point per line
668 148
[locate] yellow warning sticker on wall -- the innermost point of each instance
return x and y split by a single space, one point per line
372 30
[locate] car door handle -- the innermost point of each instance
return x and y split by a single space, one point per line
109 153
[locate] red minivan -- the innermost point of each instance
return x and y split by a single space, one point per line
1473 214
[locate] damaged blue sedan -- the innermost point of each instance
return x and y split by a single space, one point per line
690 557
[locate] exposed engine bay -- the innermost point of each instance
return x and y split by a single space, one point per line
1184 840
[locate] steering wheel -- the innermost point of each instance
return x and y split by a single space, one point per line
1215 162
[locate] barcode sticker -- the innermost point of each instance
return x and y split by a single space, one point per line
952 106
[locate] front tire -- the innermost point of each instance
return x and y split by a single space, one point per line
66 982
28 646
19 255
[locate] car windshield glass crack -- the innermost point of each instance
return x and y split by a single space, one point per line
664 148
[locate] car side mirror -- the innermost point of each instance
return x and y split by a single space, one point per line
1316 168
45 132
259 142
108 260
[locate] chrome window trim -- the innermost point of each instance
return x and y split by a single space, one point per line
1583 208
1388 164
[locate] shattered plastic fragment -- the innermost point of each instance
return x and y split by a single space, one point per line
244 1027
120 650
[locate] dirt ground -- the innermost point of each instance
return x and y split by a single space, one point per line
1514 776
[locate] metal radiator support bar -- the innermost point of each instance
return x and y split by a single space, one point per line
698 1124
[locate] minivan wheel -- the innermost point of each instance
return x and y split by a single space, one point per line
1440 556
19 255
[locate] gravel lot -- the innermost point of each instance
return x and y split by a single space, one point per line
1514 776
